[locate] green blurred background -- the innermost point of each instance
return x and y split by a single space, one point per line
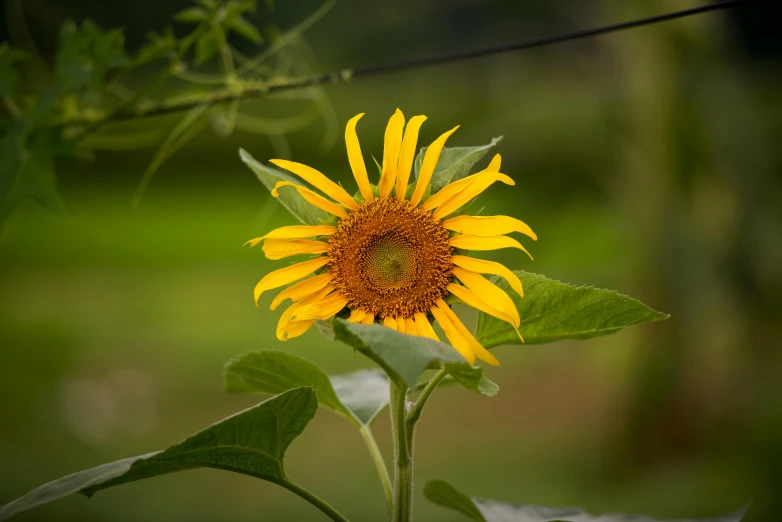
647 161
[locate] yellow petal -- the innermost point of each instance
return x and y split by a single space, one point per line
407 154
296 329
357 315
447 192
480 352
488 225
473 189
284 323
368 319
389 322
254 241
428 166
322 309
287 275
287 330
410 327
356 159
489 267
294 232
319 181
494 164
468 242
424 327
489 293
470 298
313 198
299 232
456 340
302 289
401 324
392 142
281 248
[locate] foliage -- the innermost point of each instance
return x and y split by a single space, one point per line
358 396
81 108
482 510
86 96
252 442
288 197
454 163
552 311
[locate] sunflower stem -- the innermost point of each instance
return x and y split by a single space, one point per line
403 458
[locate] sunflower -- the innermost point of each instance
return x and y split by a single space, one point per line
394 253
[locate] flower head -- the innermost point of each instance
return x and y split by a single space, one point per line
394 253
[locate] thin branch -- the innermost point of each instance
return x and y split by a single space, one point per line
415 412
288 37
263 89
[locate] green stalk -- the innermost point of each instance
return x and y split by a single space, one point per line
418 407
403 458
382 471
313 499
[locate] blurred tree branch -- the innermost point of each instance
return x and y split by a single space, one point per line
84 96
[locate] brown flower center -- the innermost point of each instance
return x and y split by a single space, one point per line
390 258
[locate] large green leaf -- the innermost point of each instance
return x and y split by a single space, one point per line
252 442
552 311
290 199
481 510
402 356
359 396
454 163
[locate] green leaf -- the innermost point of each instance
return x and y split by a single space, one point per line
191 15
441 492
553 311
402 356
472 378
454 164
207 46
481 510
364 392
158 46
358 396
86 56
290 199
27 170
241 26
9 76
252 442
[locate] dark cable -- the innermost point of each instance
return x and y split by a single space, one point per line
349 74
